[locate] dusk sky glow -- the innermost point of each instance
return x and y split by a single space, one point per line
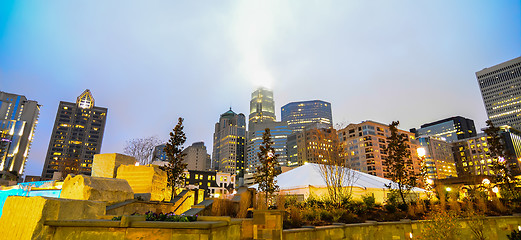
152 62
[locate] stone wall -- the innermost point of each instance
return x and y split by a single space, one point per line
23 217
222 228
494 228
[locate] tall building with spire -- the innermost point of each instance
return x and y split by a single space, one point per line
229 140
18 119
262 107
76 136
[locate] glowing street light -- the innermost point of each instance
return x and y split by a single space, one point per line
485 181
448 189
421 152
429 181
495 189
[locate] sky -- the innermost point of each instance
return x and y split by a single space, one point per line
150 62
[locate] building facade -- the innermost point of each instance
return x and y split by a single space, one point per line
299 114
500 87
438 160
449 129
363 146
229 142
197 158
76 136
159 153
262 107
213 183
279 132
18 120
473 157
316 144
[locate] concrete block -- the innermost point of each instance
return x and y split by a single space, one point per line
146 180
105 165
108 190
24 217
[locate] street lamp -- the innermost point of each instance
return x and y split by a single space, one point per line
421 152
485 181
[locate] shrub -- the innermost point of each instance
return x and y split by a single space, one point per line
309 216
390 208
348 217
293 218
515 235
168 217
326 216
443 225
369 201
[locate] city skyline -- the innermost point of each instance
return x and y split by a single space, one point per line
348 54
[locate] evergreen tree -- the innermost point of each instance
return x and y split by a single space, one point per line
267 171
504 172
399 163
174 150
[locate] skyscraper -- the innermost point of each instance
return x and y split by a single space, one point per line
196 157
262 107
18 119
449 129
300 114
474 157
76 136
279 132
229 140
501 91
315 144
438 160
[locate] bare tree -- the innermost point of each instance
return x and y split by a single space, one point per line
142 149
334 169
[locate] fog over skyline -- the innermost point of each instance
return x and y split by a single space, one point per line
152 62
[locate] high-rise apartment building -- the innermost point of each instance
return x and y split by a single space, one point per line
364 147
449 129
76 136
438 161
18 119
299 114
501 91
229 141
279 132
473 156
262 107
197 158
315 144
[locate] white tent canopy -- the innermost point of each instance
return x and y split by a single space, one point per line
309 175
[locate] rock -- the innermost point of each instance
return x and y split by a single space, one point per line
24 217
106 165
110 190
148 179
